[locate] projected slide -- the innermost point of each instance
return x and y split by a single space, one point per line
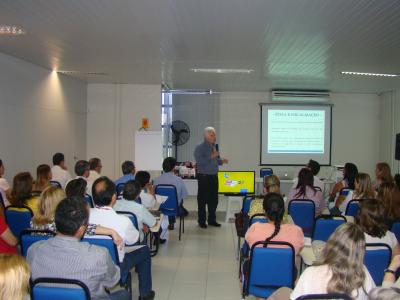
236 182
292 134
296 131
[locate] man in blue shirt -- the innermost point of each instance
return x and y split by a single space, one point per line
208 162
128 169
168 177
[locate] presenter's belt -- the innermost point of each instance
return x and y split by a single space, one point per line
205 175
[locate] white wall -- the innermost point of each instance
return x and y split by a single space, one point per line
40 113
355 127
114 114
390 126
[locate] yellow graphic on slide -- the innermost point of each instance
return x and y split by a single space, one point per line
236 182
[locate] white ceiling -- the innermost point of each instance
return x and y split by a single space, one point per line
299 44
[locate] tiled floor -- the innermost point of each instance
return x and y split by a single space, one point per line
202 266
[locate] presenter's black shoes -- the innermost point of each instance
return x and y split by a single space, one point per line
214 224
149 296
203 225
163 241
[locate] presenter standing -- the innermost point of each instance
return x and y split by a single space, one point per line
208 161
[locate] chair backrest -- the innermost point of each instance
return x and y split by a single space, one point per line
89 200
324 296
246 203
261 280
18 218
352 208
260 218
120 188
266 172
106 242
325 225
170 206
302 212
396 229
55 183
30 236
131 217
344 191
59 288
377 259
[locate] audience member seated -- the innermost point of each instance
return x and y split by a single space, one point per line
147 195
128 203
350 172
43 177
14 277
371 219
66 256
59 170
105 196
362 190
305 190
341 269
21 193
82 170
389 195
274 230
128 171
44 219
168 177
8 242
272 184
382 174
95 169
314 167
4 186
384 294
76 188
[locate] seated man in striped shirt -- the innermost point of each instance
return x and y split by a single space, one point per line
65 256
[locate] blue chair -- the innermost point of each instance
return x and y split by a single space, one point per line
107 242
246 204
55 183
258 218
396 229
269 269
302 212
40 289
352 208
324 296
89 200
18 220
120 189
266 172
344 191
377 259
131 217
171 206
325 225
30 236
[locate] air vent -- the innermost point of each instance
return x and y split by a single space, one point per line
300 96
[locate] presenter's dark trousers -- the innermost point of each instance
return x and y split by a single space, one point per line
207 194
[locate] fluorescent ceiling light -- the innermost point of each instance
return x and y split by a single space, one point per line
369 74
11 30
82 73
222 71
188 92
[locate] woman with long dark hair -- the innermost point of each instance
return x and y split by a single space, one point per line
274 230
350 173
305 190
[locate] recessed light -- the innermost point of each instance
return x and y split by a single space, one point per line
222 71
369 74
11 30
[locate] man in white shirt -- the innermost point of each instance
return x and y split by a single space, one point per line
59 170
104 197
82 170
314 166
127 203
95 168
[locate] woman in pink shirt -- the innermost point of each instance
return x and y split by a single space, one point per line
274 230
305 190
